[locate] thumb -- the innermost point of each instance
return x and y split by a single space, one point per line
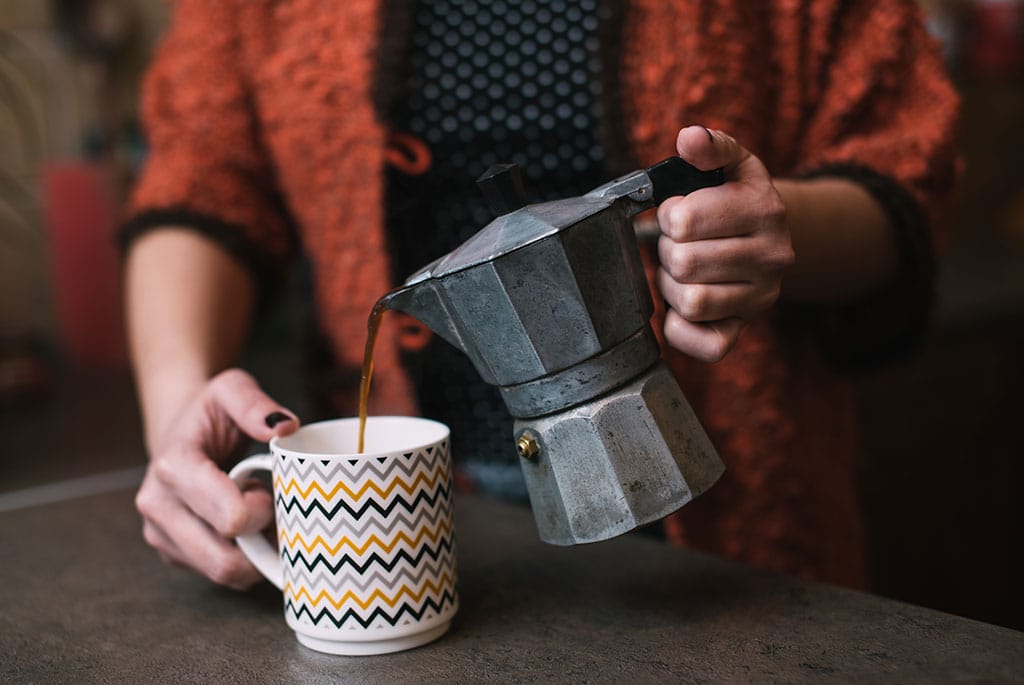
709 149
260 417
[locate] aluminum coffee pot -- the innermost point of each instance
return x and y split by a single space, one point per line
551 304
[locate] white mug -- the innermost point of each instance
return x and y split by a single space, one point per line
366 547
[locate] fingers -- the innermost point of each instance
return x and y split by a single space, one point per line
199 484
253 411
706 261
705 302
748 259
723 212
184 539
703 215
708 342
260 505
730 210
709 149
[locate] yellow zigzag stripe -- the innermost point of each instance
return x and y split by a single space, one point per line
443 528
409 488
446 582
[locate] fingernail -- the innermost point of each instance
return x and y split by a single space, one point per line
710 137
275 418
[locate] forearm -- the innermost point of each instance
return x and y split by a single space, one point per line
842 240
189 308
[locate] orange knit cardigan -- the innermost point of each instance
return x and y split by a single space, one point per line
262 116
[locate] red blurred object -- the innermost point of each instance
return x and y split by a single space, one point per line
996 46
80 210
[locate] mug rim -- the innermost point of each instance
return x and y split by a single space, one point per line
276 446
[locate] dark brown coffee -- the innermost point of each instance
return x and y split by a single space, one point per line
372 328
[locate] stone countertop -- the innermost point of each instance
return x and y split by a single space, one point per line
84 600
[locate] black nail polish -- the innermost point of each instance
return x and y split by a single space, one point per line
275 418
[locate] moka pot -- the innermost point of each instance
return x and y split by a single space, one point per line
551 304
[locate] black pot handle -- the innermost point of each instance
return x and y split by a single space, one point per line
675 176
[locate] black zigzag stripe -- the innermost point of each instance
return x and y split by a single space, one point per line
430 498
443 545
447 599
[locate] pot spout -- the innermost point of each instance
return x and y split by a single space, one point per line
422 300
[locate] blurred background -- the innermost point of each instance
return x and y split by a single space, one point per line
943 452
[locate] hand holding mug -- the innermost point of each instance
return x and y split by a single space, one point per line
191 510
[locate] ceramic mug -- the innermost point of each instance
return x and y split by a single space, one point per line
366 548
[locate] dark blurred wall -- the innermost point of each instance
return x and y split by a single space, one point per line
942 455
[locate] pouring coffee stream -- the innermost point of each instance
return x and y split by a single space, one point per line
551 304
366 375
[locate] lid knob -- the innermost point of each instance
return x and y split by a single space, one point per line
502 186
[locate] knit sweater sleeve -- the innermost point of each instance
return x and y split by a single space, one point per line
206 168
882 100
883 115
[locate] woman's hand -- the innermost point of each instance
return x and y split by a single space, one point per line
191 510
723 250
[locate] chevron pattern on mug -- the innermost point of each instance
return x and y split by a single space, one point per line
366 543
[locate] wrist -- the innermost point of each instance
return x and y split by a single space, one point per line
842 240
163 395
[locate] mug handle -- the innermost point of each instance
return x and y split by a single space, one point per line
253 545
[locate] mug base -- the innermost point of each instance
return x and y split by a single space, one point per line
349 648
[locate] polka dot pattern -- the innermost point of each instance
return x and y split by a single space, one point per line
489 82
